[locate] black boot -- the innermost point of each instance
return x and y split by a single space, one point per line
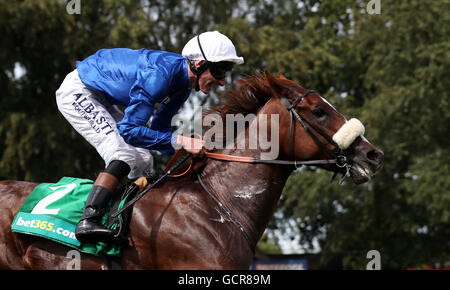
90 228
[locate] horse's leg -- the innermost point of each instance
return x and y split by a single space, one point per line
43 254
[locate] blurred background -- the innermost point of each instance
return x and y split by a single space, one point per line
385 62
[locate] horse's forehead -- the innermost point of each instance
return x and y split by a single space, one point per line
329 104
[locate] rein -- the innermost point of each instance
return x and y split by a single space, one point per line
296 163
230 215
338 158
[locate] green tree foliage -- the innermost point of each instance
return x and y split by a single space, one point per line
390 70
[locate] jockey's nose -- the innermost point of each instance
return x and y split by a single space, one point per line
221 82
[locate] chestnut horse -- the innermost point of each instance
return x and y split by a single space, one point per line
212 217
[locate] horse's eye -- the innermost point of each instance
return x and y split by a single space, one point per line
319 113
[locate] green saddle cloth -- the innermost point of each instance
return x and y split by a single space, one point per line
53 210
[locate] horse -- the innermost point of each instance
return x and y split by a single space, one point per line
213 216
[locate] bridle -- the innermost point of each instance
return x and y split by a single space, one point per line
337 154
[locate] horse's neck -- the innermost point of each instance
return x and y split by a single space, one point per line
249 191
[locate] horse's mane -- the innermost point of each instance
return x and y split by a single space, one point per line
246 96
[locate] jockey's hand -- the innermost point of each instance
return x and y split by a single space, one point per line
191 145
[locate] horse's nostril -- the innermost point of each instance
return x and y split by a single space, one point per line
375 155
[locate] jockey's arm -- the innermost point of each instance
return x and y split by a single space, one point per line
145 93
162 120
135 132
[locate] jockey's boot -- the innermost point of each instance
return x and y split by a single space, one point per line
90 228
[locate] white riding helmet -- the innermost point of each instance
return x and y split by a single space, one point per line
216 47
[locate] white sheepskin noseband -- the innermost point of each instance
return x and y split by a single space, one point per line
345 136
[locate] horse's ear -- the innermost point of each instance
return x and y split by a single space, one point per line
281 76
275 84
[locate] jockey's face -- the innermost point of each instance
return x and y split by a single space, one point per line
206 81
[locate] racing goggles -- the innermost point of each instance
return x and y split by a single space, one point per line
219 69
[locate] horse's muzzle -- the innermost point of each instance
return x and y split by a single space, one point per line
366 160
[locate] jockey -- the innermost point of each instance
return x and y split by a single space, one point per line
138 80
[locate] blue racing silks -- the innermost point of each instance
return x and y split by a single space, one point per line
138 79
